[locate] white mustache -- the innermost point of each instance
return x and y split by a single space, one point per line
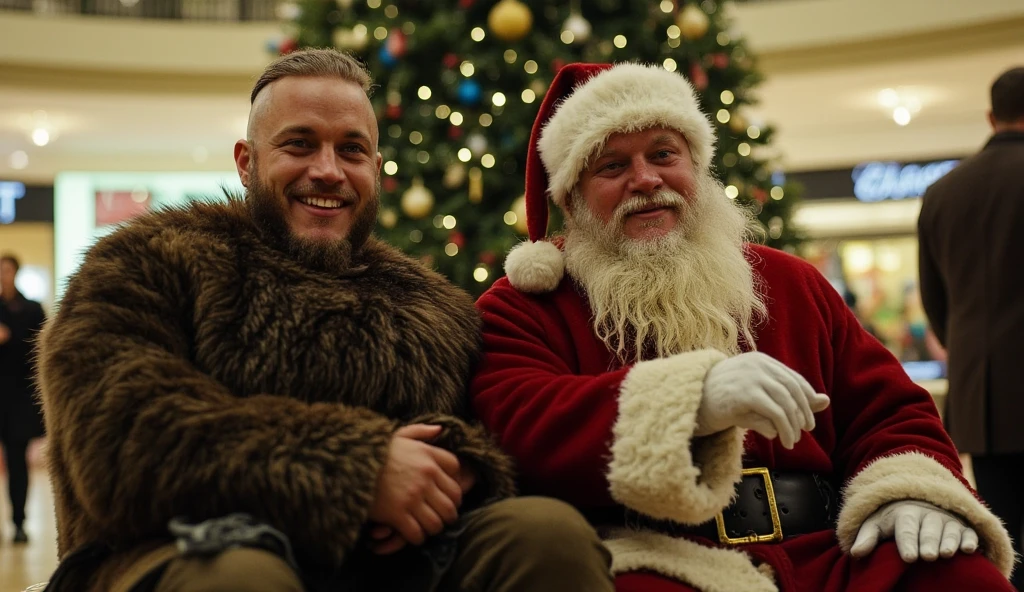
639 203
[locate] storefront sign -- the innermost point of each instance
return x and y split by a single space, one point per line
872 181
876 181
9 192
25 203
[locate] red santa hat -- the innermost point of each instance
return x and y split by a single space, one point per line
585 104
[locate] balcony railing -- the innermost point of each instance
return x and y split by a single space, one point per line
201 10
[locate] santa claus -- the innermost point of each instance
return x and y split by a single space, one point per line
711 405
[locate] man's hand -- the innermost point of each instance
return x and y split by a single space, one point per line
757 392
416 491
921 529
5 334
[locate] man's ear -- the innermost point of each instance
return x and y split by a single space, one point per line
380 160
243 154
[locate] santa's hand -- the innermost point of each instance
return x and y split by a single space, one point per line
756 392
921 530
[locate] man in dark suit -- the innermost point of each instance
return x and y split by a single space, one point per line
20 419
972 288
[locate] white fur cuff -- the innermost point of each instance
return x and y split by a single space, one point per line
913 475
657 466
708 569
535 267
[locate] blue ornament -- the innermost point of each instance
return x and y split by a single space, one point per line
470 92
273 46
386 59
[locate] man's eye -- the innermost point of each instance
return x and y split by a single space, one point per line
298 143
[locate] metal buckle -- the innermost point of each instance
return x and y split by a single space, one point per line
773 508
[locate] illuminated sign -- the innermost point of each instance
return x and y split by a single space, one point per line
877 181
10 191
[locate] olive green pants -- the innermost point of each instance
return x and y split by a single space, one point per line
523 544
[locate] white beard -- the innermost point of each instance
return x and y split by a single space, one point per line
689 289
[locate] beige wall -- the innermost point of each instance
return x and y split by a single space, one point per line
32 244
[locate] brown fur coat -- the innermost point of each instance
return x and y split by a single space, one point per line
193 370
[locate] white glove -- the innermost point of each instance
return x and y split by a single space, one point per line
754 391
922 530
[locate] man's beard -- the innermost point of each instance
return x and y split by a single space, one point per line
689 289
270 214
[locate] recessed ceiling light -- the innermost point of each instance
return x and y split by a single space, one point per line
18 160
40 137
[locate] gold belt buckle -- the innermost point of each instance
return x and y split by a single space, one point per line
773 508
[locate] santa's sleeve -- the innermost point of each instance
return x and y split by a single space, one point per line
891 444
626 435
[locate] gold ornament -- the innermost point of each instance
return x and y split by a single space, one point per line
519 209
738 123
476 185
388 218
417 201
454 176
346 4
510 20
539 88
692 22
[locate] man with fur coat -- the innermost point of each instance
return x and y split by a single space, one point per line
261 396
625 361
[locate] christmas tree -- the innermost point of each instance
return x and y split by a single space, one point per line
459 85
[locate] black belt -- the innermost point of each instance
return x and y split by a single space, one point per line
770 506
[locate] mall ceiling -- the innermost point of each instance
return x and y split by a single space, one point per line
825 105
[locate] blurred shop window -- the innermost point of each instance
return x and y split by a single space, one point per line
114 207
878 280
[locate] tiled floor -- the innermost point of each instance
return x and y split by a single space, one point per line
22 565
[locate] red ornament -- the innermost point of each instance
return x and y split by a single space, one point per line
488 258
288 46
698 77
760 195
450 60
396 43
390 184
720 61
466 4
393 111
455 132
557 64
458 239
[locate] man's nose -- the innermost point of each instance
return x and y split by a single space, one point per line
645 178
325 167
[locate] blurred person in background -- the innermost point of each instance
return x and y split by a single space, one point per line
20 416
972 289
261 396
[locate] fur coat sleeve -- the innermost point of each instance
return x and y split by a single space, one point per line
143 431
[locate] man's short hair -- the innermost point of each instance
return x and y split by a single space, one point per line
326 63
1008 96
12 259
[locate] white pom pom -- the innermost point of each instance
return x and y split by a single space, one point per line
535 267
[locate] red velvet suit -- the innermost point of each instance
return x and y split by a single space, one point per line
550 390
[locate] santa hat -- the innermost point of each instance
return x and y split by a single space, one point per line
585 104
